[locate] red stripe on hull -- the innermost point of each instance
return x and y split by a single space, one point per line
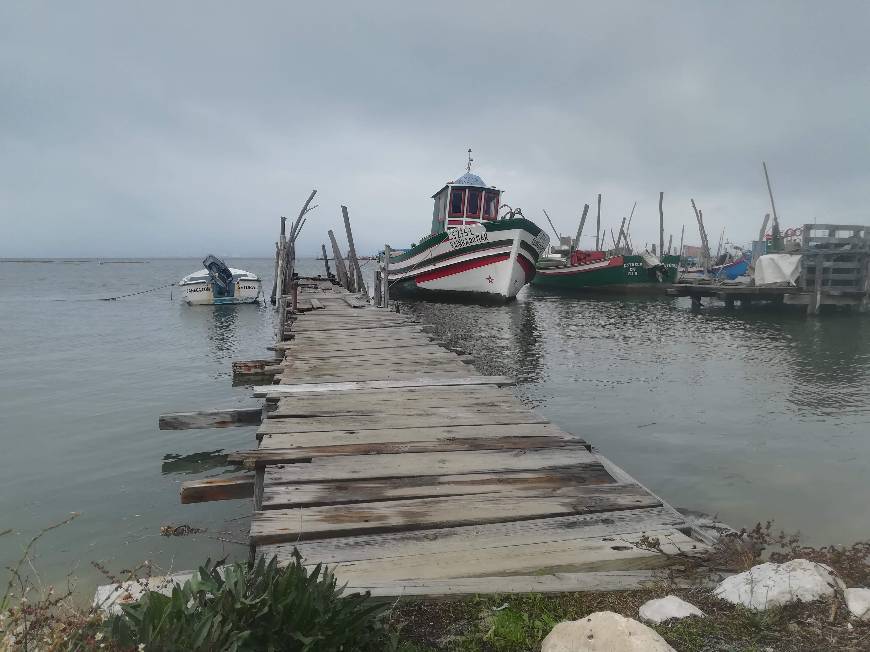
527 266
458 268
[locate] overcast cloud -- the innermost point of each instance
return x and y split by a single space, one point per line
179 128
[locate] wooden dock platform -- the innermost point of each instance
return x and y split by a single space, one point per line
387 457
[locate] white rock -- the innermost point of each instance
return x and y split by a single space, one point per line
662 609
604 631
858 601
771 585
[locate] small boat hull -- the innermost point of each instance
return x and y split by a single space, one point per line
617 274
199 290
481 262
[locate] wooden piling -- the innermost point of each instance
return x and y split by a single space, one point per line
661 225
598 225
340 269
576 242
387 253
325 260
351 252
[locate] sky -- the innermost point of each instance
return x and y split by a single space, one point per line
183 128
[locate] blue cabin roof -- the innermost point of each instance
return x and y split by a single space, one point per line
470 179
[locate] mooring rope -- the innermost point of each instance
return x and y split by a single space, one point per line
133 294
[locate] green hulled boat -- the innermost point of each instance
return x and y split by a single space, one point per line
630 273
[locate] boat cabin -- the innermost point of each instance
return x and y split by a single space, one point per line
468 200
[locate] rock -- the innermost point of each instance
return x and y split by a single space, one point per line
604 631
858 601
771 585
662 609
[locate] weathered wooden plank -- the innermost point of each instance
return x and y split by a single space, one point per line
210 419
416 434
316 303
218 488
381 489
341 367
423 393
484 536
328 317
283 525
374 358
349 405
376 374
351 344
242 367
555 583
409 350
306 453
364 329
457 417
422 464
621 552
301 388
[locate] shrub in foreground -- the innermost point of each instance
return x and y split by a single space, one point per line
264 607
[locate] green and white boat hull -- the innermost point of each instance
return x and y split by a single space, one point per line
616 274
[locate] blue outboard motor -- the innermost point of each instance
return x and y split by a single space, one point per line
221 277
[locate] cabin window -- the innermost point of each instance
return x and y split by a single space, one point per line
474 197
490 205
457 203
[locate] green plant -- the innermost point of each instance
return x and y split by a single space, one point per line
264 607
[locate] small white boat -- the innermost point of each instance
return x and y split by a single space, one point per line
218 284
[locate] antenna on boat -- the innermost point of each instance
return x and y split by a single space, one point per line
470 160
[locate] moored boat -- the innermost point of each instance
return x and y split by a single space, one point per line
471 251
594 271
732 269
218 284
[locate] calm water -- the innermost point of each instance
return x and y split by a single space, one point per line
750 415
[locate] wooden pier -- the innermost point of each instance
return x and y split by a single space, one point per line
389 458
834 271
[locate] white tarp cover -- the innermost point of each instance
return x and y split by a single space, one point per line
777 269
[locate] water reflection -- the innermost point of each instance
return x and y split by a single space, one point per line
194 462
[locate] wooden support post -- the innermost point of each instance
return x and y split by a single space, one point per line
670 243
621 233
282 244
696 303
661 225
598 225
351 253
340 269
325 260
387 253
815 302
282 302
273 299
682 235
378 289
729 300
576 242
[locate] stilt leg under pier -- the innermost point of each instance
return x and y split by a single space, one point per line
696 303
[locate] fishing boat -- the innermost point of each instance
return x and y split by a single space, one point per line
596 271
731 269
471 250
218 284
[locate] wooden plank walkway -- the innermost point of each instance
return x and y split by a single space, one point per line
391 459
